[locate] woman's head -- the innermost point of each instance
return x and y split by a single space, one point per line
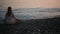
9 9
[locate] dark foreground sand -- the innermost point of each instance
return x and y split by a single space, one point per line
37 26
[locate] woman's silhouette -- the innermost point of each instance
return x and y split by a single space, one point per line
10 18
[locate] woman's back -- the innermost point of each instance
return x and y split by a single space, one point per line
10 18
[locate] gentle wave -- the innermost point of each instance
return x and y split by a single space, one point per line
32 13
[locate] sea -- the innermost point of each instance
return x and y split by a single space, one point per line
31 13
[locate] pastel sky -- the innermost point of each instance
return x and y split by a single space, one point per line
30 3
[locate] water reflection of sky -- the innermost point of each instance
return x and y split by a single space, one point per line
32 13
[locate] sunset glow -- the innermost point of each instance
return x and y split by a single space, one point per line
30 3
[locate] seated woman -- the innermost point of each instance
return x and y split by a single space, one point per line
10 18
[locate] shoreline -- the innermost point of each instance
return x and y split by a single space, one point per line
39 26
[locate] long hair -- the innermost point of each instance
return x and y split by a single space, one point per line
9 17
9 11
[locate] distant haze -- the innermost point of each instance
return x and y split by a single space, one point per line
30 3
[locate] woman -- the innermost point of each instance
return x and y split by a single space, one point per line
10 18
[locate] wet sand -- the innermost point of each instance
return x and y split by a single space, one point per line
34 26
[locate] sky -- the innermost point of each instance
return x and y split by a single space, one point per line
30 4
16 4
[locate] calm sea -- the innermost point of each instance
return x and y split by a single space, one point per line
31 13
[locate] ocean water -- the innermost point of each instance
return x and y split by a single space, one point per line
32 13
